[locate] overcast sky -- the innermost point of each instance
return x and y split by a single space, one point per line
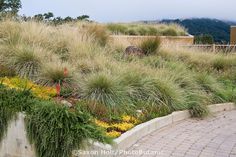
133 10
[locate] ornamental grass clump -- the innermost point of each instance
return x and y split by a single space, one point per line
56 73
221 63
197 101
150 46
170 32
213 88
99 33
103 89
146 29
10 32
169 94
117 28
24 60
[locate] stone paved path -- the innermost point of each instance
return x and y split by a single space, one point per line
211 137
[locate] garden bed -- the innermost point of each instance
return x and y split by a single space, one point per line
16 136
136 40
74 85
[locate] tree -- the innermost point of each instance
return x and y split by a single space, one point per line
10 6
83 17
57 20
68 19
203 39
48 15
39 17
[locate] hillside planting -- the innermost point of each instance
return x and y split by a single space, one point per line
106 92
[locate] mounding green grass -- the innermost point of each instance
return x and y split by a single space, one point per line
104 89
146 29
150 46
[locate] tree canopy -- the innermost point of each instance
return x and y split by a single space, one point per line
11 6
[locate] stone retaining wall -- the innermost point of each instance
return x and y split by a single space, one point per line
135 40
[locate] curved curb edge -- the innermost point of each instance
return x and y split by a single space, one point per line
132 136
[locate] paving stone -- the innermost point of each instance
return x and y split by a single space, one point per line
212 137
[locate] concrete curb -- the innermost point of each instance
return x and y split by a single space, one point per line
132 136
15 143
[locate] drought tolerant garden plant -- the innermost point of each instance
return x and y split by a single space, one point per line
150 46
54 129
146 29
74 85
61 130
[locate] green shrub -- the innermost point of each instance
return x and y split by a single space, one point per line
150 46
6 116
56 131
203 39
11 102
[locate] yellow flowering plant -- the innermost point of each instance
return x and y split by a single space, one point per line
130 119
21 84
123 126
113 134
102 124
115 129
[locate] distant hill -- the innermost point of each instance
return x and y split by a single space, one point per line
220 30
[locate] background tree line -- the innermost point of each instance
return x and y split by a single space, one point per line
11 8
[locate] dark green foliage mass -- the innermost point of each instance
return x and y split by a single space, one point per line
11 6
56 131
203 39
220 30
12 101
53 129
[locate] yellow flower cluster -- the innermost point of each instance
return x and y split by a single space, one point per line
130 119
114 130
102 124
113 134
21 84
123 126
